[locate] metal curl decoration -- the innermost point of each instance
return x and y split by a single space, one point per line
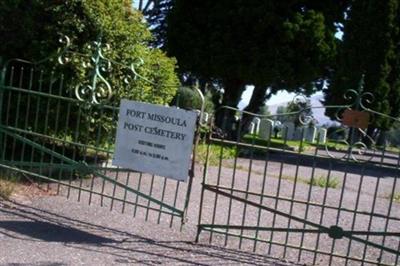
304 117
62 57
97 66
299 99
366 98
97 89
351 96
135 66
95 94
357 151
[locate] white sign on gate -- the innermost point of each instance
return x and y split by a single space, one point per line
154 139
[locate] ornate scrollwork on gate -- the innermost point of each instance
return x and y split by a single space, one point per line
97 67
354 117
304 116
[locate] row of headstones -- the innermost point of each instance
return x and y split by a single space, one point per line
264 128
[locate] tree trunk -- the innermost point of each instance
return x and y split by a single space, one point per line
381 139
257 100
225 119
371 136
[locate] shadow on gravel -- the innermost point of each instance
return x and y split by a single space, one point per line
378 170
52 232
124 247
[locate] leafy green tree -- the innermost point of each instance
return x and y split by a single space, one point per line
370 47
30 29
190 99
273 45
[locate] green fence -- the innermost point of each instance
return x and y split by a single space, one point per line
295 193
61 135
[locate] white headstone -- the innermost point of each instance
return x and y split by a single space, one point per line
265 128
288 130
322 135
251 128
311 133
205 117
256 122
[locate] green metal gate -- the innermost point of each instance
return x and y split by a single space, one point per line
306 200
62 137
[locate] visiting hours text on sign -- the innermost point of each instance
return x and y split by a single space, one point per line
154 139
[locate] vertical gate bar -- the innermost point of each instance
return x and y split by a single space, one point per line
27 113
2 88
84 150
89 109
339 209
103 184
114 117
204 181
219 174
383 156
247 183
75 137
150 194
56 126
66 132
321 219
310 187
191 174
37 111
175 201
8 105
137 196
18 106
349 153
354 212
371 215
266 164
296 176
97 144
7 114
128 175
390 208
271 237
46 123
233 182
162 199
397 255
114 187
77 150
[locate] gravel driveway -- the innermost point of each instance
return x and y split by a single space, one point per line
51 230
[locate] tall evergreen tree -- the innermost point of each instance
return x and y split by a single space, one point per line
370 47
